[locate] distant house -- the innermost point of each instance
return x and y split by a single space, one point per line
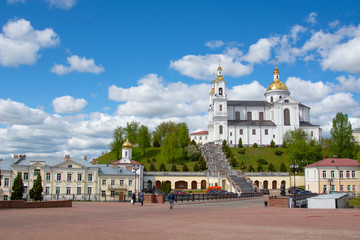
333 174
356 134
199 137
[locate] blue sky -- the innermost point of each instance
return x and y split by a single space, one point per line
73 70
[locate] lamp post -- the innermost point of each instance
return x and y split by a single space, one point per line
294 167
135 168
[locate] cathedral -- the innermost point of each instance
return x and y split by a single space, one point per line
256 121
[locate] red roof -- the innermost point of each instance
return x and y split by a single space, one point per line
200 133
133 162
335 162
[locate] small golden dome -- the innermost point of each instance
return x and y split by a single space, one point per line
127 144
212 91
219 68
277 85
219 78
276 70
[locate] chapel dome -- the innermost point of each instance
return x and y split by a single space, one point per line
277 85
127 144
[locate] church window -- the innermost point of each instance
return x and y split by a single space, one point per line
273 136
230 141
266 131
230 134
261 116
280 97
254 132
241 131
286 101
126 154
220 107
312 133
249 116
220 91
286 117
237 115
221 129
271 99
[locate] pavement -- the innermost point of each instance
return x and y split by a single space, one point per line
235 219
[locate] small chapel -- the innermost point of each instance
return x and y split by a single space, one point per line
257 122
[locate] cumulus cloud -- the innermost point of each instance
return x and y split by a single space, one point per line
77 64
15 1
295 30
251 91
214 44
311 18
307 91
68 104
334 24
260 51
62 4
20 43
349 83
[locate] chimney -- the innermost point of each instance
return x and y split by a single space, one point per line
67 157
16 156
85 158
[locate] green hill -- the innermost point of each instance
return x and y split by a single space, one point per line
251 156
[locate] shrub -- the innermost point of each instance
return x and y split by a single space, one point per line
17 188
242 165
173 168
185 168
154 159
242 151
283 167
233 162
162 167
255 145
152 167
262 161
271 168
196 168
148 160
272 144
251 168
36 191
259 168
156 143
240 143
278 152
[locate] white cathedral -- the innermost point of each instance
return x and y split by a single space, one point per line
256 121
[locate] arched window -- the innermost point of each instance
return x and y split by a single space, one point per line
271 99
220 107
249 116
261 116
220 91
237 115
286 117
221 129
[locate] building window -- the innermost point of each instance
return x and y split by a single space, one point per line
89 190
58 177
230 141
254 132
79 178
89 177
69 177
69 166
129 193
266 131
25 189
347 174
48 176
103 182
324 174
68 190
261 116
200 138
332 187
241 131
221 129
341 187
220 107
112 194
5 197
112 182
130 182
341 174
26 176
121 182
36 172
220 91
78 191
249 116
332 174
237 115
286 117
349 188
354 188
57 191
286 101
103 193
271 99
230 134
325 188
47 190
205 137
353 175
195 137
312 133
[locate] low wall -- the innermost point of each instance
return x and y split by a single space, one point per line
275 201
153 198
44 204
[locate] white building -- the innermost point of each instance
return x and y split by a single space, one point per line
256 121
200 137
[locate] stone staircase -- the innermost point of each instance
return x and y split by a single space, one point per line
244 185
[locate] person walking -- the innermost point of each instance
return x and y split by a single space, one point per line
133 198
171 198
141 197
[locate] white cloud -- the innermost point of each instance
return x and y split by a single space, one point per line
62 4
295 30
20 43
68 104
214 44
17 113
77 64
252 91
260 51
349 83
311 18
334 24
15 1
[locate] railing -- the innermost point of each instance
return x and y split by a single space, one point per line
300 200
209 197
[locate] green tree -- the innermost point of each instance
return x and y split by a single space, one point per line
36 191
272 144
17 188
156 141
170 146
118 140
242 165
342 141
240 143
283 167
132 130
185 168
255 145
163 129
192 152
196 168
259 168
271 168
143 138
202 163
183 134
233 162
251 168
152 167
173 168
162 167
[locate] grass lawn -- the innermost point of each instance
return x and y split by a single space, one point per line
354 202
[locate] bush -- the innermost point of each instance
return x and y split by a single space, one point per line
251 168
272 144
233 162
152 167
148 160
240 143
185 168
242 151
162 167
283 167
259 168
156 143
17 188
196 168
262 161
154 159
173 168
271 168
242 165
36 191
278 152
255 145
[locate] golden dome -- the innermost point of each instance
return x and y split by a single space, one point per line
277 85
212 91
219 78
127 144
276 70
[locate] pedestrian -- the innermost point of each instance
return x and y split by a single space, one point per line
141 197
171 198
239 195
133 198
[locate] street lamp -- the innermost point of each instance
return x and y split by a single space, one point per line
294 167
135 168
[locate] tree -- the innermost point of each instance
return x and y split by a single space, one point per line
196 168
163 129
240 143
185 168
251 168
255 145
132 130
271 168
17 188
283 167
173 168
242 165
202 163
233 162
272 144
183 134
170 146
342 141
152 167
118 140
192 152
259 167
143 138
36 191
162 167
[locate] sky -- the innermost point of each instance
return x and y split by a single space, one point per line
71 71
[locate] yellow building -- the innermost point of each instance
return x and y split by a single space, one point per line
356 134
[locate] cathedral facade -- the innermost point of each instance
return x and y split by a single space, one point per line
256 121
